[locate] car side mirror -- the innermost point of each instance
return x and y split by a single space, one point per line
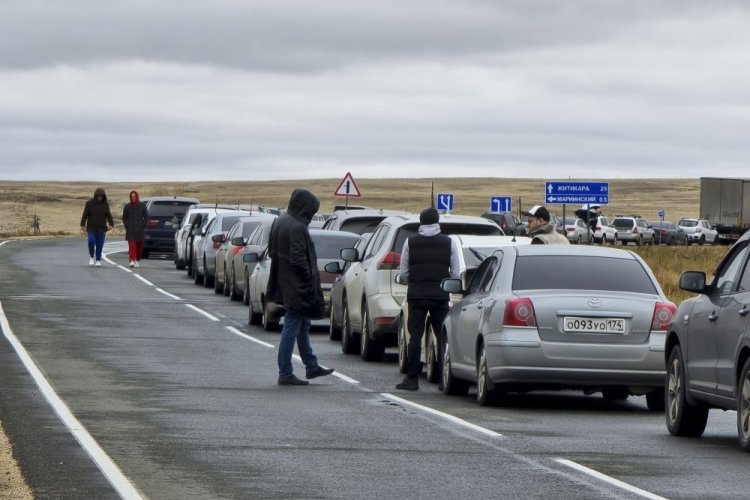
250 257
349 254
217 238
452 285
693 281
333 267
238 241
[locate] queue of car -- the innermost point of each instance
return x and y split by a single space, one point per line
522 317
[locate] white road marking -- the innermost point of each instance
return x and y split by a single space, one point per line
345 378
143 279
201 311
114 475
3 242
610 480
248 337
446 416
175 297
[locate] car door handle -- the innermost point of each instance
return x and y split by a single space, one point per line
744 311
713 316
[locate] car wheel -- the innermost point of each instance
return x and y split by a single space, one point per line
655 400
369 348
486 392
269 324
208 281
451 385
402 345
743 407
683 418
639 241
702 241
246 289
334 331
433 361
254 318
348 342
603 239
178 264
220 288
579 239
614 240
615 393
197 277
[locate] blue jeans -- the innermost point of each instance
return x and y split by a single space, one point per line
297 328
96 241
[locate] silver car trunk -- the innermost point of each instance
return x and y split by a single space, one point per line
592 316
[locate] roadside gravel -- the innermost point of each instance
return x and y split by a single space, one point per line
12 484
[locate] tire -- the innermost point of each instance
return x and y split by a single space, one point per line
369 348
233 295
655 400
451 385
702 241
208 282
614 240
579 239
402 345
603 239
254 318
743 407
615 393
486 392
434 363
683 418
639 241
349 345
334 330
145 254
218 287
246 289
197 277
269 325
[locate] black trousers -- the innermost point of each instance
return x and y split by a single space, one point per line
418 311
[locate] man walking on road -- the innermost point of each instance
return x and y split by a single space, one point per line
96 221
541 231
294 282
426 259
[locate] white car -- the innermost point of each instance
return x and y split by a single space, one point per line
577 232
193 217
474 250
372 300
698 231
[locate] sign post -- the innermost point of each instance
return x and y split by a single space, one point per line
660 214
348 188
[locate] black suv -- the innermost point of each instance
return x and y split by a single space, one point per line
708 348
164 217
507 222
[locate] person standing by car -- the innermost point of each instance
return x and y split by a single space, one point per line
134 218
541 231
426 259
96 221
294 282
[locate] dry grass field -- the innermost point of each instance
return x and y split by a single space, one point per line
59 205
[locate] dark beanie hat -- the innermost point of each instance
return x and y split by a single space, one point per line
429 216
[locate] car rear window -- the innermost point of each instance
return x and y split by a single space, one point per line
168 208
330 246
446 228
622 223
361 225
688 223
249 227
228 222
578 272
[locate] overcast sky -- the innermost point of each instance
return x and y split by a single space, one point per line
279 89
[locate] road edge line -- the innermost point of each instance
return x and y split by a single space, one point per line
607 479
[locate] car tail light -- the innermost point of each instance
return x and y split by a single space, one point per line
598 227
663 315
519 312
571 229
391 260
153 223
635 230
664 232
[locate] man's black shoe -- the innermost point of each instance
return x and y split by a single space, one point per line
408 384
318 372
292 380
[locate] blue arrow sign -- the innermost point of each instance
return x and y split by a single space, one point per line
445 201
577 192
500 204
660 213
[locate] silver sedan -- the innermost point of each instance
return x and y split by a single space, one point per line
558 317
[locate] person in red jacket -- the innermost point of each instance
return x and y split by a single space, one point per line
134 218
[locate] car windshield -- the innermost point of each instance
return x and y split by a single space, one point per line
688 223
578 272
361 225
455 228
330 246
168 208
622 223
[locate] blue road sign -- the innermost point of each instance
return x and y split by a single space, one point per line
577 192
660 213
500 204
445 201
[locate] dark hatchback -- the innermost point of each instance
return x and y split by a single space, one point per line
164 217
508 222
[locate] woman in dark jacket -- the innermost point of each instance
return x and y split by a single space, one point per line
96 221
135 218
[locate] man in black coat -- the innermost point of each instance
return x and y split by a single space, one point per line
96 220
294 282
426 259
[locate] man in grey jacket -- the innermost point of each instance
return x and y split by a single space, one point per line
541 230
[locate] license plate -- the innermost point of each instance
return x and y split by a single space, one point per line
593 325
167 223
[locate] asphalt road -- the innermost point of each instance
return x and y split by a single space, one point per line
173 395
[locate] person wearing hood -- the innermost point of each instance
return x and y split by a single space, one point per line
135 218
426 259
294 282
541 230
96 221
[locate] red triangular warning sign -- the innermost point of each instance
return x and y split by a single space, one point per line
348 187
